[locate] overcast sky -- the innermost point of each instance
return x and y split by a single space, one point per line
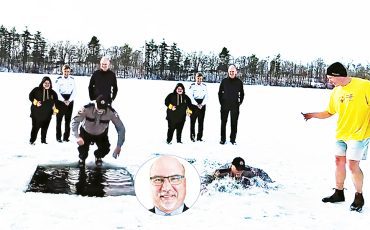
299 30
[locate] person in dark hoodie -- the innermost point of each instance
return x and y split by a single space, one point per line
178 104
230 95
43 100
103 82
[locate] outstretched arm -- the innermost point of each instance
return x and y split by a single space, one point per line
319 115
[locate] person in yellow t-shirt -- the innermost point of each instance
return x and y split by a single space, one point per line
350 99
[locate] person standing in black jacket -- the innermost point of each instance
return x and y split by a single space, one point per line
178 104
43 100
103 82
230 95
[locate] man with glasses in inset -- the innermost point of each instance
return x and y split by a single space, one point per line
168 183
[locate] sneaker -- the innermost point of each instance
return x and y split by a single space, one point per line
32 143
222 142
233 142
98 162
59 140
81 163
168 142
358 202
338 196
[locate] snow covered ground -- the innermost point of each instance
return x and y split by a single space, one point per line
272 135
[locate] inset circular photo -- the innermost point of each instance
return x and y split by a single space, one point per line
167 185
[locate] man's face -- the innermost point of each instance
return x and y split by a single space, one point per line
104 65
236 173
66 72
170 194
198 79
232 72
336 81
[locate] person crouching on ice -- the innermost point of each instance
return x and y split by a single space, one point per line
94 120
178 104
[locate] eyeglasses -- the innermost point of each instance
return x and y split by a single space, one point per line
174 179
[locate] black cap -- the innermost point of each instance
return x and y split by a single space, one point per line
239 163
337 70
101 103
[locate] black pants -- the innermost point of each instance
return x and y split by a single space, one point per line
198 114
234 113
102 142
36 126
175 126
66 112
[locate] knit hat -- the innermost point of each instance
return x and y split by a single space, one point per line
337 70
101 103
239 163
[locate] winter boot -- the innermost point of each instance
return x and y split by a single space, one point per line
98 162
338 196
81 163
358 202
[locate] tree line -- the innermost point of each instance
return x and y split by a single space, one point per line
31 53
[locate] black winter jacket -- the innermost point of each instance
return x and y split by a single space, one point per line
103 83
182 102
47 97
231 93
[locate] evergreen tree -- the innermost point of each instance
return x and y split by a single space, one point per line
26 41
163 51
125 58
39 50
224 60
3 45
94 52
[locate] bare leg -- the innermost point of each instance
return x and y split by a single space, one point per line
357 175
340 171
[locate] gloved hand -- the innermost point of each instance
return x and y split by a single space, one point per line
188 112
36 103
55 110
172 107
116 152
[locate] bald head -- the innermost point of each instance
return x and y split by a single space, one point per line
165 164
232 71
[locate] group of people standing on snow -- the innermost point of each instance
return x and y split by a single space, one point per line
350 99
179 104
91 123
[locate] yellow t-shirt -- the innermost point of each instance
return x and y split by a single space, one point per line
352 103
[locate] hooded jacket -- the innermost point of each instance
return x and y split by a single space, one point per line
47 97
181 101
